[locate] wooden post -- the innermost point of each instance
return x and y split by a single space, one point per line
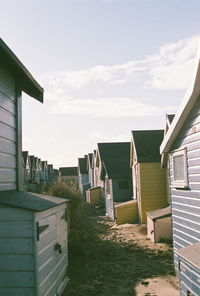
19 140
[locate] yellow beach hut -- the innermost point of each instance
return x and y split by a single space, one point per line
149 179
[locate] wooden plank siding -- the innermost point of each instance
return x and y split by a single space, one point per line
120 195
16 252
7 131
186 202
51 265
153 189
109 200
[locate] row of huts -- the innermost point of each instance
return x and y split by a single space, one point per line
158 172
37 174
33 227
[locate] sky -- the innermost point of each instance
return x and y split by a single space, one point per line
107 67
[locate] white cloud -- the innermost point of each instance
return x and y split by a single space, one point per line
115 107
169 68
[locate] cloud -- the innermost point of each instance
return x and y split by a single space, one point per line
172 66
167 69
115 107
98 137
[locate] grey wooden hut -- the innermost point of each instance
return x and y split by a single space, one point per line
67 174
116 173
33 228
83 175
90 169
181 147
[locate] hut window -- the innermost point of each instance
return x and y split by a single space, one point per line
123 184
179 166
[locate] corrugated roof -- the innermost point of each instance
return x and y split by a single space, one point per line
29 201
147 144
69 171
115 158
24 78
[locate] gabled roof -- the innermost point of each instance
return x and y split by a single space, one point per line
147 143
90 158
185 108
25 156
24 78
170 117
115 159
68 171
82 164
43 164
33 160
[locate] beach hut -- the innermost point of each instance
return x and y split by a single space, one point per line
33 234
50 175
181 147
26 169
67 174
149 179
44 172
116 173
83 175
90 169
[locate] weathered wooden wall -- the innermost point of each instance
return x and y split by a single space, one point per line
7 131
186 202
153 189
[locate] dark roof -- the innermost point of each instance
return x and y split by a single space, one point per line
82 164
43 164
33 160
147 144
24 78
115 158
29 201
90 157
69 171
170 117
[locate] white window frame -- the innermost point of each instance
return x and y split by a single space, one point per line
180 183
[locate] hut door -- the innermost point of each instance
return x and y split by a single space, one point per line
52 254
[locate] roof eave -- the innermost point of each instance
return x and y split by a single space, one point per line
26 81
188 102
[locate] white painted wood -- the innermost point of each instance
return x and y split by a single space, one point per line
17 229
7 132
7 118
16 246
16 262
7 175
17 291
9 279
7 104
7 161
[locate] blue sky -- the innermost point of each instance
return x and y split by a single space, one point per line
107 67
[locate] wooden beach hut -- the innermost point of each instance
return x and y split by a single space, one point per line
116 173
33 234
181 147
67 174
149 179
90 169
83 175
26 166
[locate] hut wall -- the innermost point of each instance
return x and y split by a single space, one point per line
186 202
153 189
7 131
17 276
126 212
121 190
109 198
